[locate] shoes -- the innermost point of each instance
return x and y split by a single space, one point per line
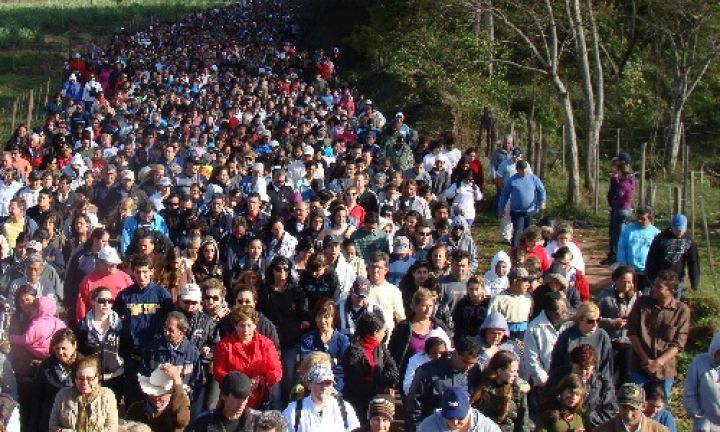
607 261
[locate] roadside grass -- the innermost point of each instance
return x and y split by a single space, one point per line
37 36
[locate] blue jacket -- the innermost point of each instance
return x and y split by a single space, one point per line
133 222
142 312
634 245
526 193
186 357
337 347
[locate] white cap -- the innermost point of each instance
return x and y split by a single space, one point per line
308 151
274 143
127 174
77 159
191 291
165 181
34 245
109 255
157 384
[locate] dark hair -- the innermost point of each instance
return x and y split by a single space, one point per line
551 404
433 342
180 319
467 345
622 271
239 314
323 306
654 391
96 292
561 252
63 335
583 355
278 260
368 324
669 278
458 255
141 261
551 301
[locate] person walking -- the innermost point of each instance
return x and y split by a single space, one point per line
526 194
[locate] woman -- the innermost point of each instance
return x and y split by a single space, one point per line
116 221
563 236
584 330
408 337
369 368
79 234
208 264
53 376
339 225
494 337
576 278
251 353
50 221
615 303
411 201
173 273
380 414
439 262
464 193
285 304
319 280
86 406
279 241
305 251
499 394
246 296
98 334
561 410
419 275
80 265
324 337
531 243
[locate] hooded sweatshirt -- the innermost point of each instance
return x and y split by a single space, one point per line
701 395
494 284
495 320
478 423
37 337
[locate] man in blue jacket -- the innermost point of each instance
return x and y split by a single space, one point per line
145 217
526 193
142 307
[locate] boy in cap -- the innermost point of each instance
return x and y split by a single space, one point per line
400 260
355 305
456 414
630 417
674 249
232 412
515 304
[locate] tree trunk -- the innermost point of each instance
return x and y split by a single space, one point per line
573 165
489 23
675 124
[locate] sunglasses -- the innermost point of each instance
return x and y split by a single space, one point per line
105 301
591 321
213 298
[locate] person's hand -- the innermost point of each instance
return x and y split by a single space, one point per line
304 325
619 323
652 366
205 351
172 372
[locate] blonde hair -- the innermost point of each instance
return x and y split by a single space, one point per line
585 310
422 295
310 360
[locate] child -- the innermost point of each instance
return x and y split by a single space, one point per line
357 263
436 345
43 326
655 405
515 304
496 280
400 260
471 310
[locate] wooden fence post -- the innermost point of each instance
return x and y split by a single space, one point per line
709 248
14 114
30 107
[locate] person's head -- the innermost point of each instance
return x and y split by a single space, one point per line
255 248
271 421
494 329
460 264
63 346
34 266
320 380
644 216
142 270
208 252
331 248
102 301
458 227
235 391
502 369
423 304
554 306
25 299
175 327
654 398
213 294
108 260
244 319
317 266
455 408
378 268
466 354
631 403
678 225
324 314
380 413
587 318
253 204
567 395
563 234
664 287
564 257
370 325
190 298
158 388
624 279
99 238
86 374
519 279
279 270
475 290
439 258
583 360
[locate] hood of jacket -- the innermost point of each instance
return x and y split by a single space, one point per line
495 320
46 307
500 256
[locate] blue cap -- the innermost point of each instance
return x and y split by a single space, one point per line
516 152
679 222
622 157
455 403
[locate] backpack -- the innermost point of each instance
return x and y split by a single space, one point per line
341 404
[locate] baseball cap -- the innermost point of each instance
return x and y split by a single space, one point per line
455 403
368 102
518 273
191 291
236 384
631 394
321 373
361 287
679 222
165 181
516 152
401 244
34 245
622 157
308 151
109 255
330 239
521 165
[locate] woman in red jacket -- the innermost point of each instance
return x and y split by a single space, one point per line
247 351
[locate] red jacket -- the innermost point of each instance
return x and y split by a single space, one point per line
539 253
258 358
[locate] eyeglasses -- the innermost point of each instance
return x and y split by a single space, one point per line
591 321
85 378
213 298
105 301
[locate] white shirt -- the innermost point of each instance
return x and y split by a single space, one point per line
311 421
464 197
540 338
6 194
389 298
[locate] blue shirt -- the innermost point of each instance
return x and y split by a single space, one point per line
634 245
526 193
665 418
142 312
337 347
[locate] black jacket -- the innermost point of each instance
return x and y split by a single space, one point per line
212 421
286 310
316 289
50 379
360 384
203 331
668 252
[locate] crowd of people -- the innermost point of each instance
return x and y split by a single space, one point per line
211 233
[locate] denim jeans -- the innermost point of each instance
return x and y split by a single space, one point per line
618 221
521 221
640 378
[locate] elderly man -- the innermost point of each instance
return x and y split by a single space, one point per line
630 417
456 414
34 267
166 406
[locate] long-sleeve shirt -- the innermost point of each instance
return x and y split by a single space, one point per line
668 252
142 312
634 245
525 193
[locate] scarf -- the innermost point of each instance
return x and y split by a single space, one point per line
368 345
84 415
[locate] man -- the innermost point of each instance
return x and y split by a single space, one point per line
456 414
630 417
700 394
674 249
232 414
499 155
217 218
460 238
233 245
418 173
658 327
256 219
634 245
279 194
336 260
125 188
351 308
399 154
366 197
44 205
30 193
147 218
8 188
298 223
423 241
321 410
34 268
526 194
17 222
382 292
453 286
166 406
106 274
175 349
189 176
439 177
164 189
369 239
433 378
142 308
